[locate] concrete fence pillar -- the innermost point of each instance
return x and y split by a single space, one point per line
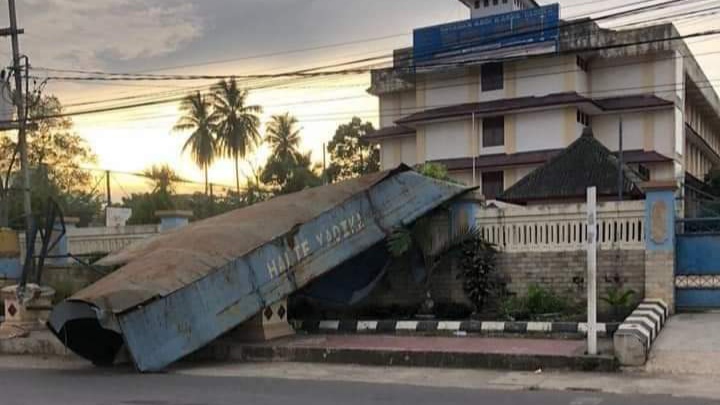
173 219
660 241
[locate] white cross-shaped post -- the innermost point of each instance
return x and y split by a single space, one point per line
592 271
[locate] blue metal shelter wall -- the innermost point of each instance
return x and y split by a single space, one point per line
516 28
169 328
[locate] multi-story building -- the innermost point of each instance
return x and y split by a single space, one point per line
493 110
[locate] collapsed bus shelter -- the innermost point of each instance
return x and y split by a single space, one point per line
179 291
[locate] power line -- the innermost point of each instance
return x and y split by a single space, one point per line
402 112
149 77
612 66
150 103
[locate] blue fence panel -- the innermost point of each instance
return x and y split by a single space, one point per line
698 254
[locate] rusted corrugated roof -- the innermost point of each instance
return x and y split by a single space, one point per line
170 261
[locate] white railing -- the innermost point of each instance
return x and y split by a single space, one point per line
563 227
83 241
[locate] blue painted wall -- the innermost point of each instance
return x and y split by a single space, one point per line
10 268
651 199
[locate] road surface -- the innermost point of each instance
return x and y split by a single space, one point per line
90 386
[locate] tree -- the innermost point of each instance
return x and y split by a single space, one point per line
284 137
55 155
198 118
351 155
284 140
163 178
302 176
237 123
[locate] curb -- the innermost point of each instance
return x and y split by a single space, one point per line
403 358
451 327
634 338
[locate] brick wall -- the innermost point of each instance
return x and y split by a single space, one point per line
660 276
562 272
566 272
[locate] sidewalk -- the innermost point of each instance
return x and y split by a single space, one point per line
417 351
689 344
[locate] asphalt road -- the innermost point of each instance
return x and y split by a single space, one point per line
112 387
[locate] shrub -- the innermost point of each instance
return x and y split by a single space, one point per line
620 302
539 303
478 272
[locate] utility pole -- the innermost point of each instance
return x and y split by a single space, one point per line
107 188
14 33
621 177
325 179
212 200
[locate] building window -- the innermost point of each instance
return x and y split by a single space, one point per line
583 64
492 76
644 173
493 131
493 184
495 2
477 4
487 3
583 118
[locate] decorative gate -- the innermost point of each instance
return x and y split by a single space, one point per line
697 270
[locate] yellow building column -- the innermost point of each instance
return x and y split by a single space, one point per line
421 152
571 131
510 134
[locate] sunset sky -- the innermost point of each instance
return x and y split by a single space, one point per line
220 37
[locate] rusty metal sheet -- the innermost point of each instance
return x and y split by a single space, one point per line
179 291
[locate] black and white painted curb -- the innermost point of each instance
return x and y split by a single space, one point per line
451 327
636 334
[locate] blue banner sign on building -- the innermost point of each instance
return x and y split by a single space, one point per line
516 28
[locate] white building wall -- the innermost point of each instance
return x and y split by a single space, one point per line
408 154
398 150
661 75
389 149
606 129
447 140
540 77
394 106
446 91
540 130
618 78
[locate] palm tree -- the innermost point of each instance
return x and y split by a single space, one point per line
162 177
197 118
284 138
237 123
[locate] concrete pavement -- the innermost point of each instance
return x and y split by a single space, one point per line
632 387
85 386
689 344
